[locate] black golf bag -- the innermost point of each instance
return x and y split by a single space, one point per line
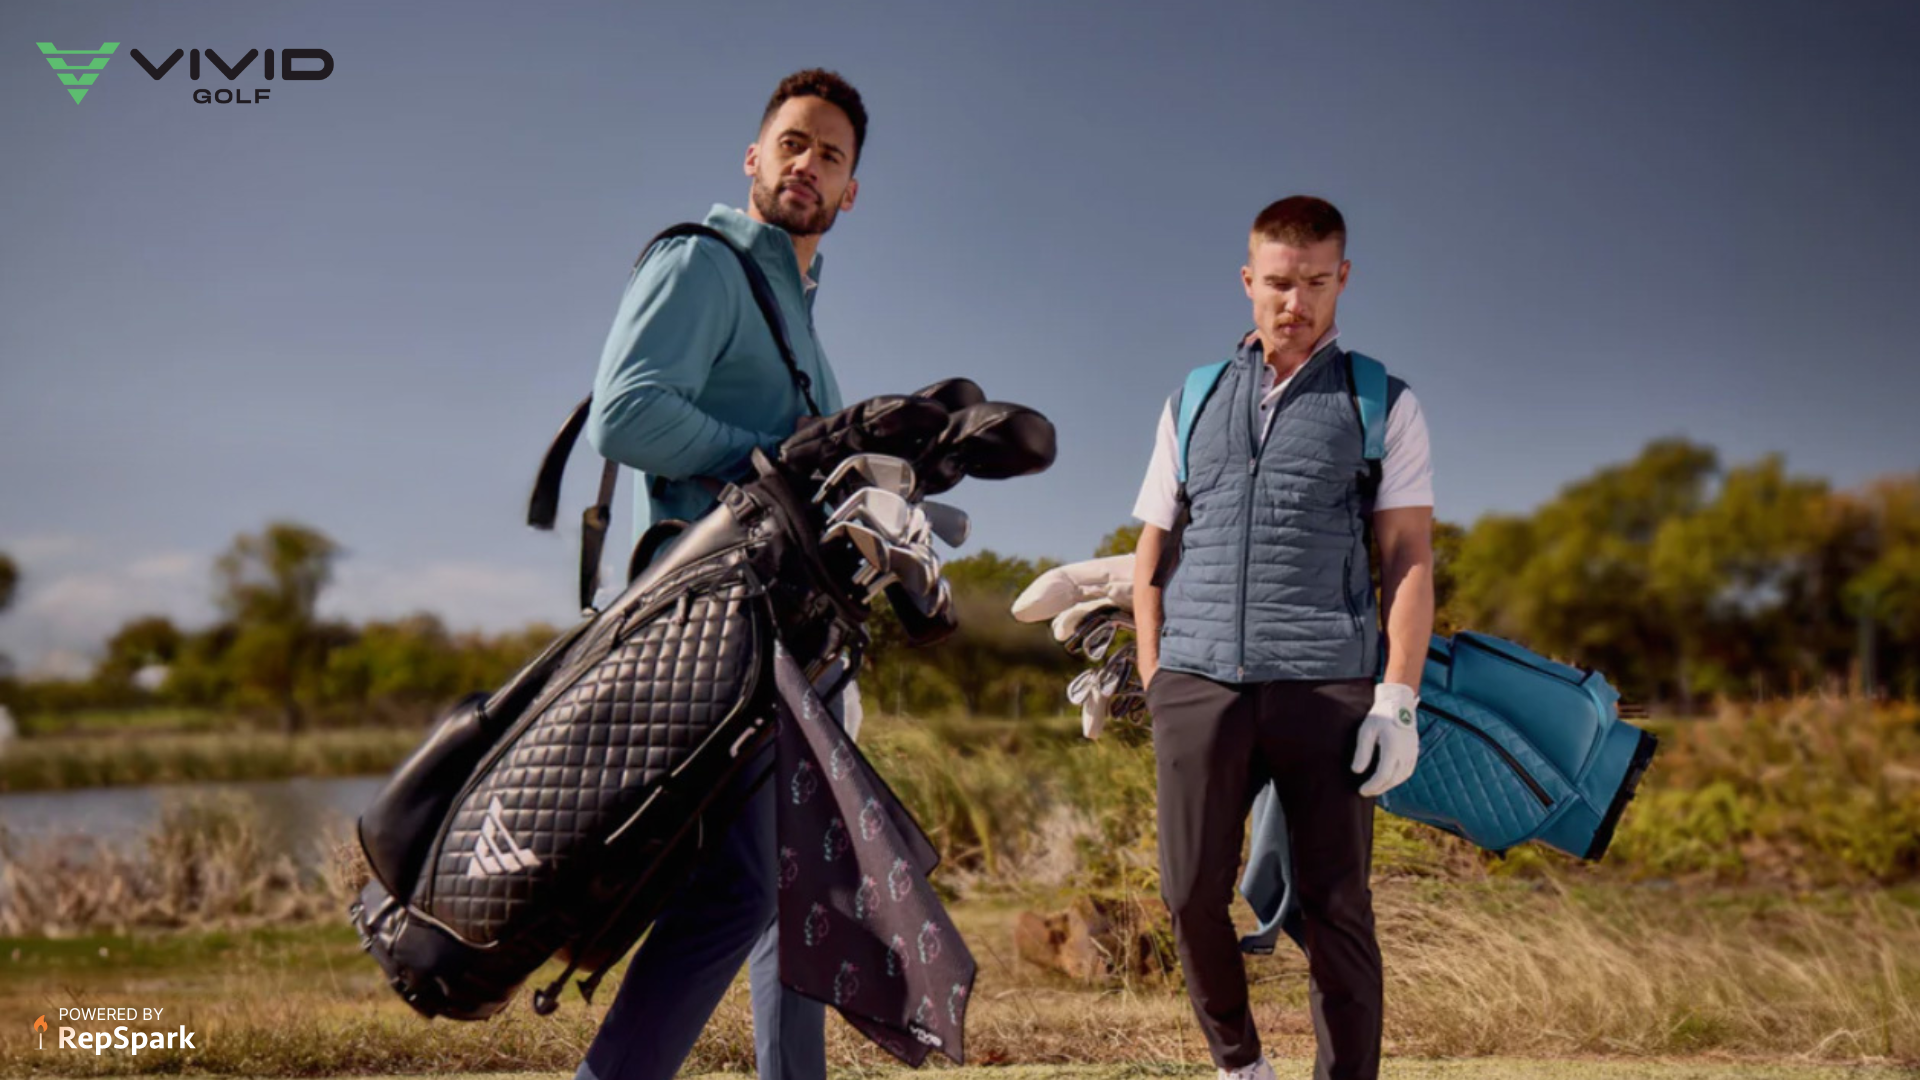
556 814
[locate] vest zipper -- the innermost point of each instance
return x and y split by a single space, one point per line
1246 516
1260 433
1505 755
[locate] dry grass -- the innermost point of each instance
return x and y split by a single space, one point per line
1500 969
1530 957
205 865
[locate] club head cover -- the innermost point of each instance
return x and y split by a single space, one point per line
955 394
1067 623
1066 587
897 425
994 440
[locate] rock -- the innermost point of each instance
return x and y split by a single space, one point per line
1098 938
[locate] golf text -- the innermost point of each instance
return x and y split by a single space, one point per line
121 1037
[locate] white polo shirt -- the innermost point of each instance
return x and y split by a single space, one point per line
1406 471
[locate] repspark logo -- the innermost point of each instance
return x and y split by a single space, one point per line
80 77
118 1038
39 1030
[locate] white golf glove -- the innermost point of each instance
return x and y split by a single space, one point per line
1390 728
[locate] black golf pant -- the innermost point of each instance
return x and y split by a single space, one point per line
1215 745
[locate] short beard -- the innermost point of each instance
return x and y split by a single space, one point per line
797 223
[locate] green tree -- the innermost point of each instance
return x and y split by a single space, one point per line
411 662
1121 541
151 639
1574 579
1449 540
269 585
9 580
1735 580
1884 594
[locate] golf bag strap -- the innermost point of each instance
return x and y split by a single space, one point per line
1370 398
762 296
544 506
1367 381
1198 388
594 521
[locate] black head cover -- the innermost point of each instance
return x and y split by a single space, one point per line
895 424
955 394
994 440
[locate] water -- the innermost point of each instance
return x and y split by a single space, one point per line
300 815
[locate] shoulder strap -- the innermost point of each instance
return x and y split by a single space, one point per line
762 296
544 505
1199 387
1370 398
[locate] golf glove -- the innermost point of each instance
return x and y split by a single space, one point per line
1390 729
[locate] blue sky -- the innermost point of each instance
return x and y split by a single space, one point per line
366 303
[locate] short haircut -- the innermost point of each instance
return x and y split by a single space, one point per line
821 83
1300 220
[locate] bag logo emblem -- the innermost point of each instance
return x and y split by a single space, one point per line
495 852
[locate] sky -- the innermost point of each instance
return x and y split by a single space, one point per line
366 303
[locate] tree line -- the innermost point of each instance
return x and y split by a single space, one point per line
1682 579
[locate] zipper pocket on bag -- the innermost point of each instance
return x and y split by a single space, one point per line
1502 752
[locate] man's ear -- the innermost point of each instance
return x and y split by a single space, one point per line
1346 265
753 159
846 198
1246 280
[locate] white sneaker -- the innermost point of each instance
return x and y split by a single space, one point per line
1259 1070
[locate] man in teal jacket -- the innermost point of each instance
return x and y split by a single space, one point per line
689 383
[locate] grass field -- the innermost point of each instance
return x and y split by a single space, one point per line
1289 1068
1759 916
66 762
1505 971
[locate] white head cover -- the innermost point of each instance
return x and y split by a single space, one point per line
1108 580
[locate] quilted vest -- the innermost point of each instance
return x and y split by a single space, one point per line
1273 579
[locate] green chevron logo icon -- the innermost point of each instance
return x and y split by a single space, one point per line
77 85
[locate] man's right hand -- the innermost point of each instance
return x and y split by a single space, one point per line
1146 602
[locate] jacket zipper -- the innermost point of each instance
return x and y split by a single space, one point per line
1513 763
1246 515
1259 433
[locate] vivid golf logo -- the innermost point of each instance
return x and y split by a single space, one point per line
293 65
76 76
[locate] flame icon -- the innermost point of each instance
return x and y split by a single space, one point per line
40 1024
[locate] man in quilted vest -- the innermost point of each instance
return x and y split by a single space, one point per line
690 382
1260 640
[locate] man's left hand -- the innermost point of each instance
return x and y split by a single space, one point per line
1389 728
